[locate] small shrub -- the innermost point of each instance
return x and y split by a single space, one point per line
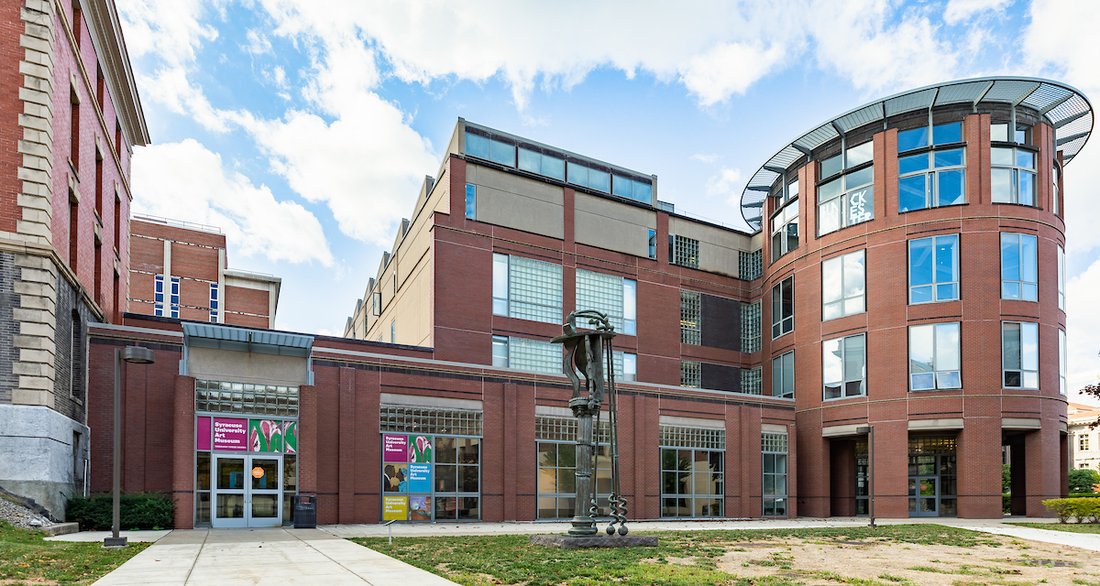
136 511
1082 510
1083 480
1006 503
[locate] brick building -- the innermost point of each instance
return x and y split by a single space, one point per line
69 118
180 270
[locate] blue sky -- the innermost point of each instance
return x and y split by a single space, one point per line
303 128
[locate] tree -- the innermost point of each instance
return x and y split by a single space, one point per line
1092 390
1083 480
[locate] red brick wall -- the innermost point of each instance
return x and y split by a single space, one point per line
11 27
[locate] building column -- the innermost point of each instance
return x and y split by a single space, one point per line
347 456
307 441
891 468
183 452
814 463
752 479
978 464
1043 462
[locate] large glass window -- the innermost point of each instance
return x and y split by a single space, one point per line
783 375
683 251
1055 191
845 201
1012 177
692 471
541 163
774 448
525 288
932 179
609 294
917 138
934 269
471 201
750 327
934 357
998 132
1019 272
1061 278
1020 354
691 325
783 307
586 176
844 366
490 149
556 445
784 223
842 286
634 189
1062 361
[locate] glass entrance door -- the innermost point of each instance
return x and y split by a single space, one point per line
924 486
247 491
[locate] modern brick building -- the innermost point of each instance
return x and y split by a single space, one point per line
180 270
901 314
69 118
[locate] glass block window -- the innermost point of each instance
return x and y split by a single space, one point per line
690 374
435 420
844 367
751 380
693 437
215 302
774 469
557 464
525 288
542 164
490 149
1019 270
1020 354
783 376
609 294
1012 177
750 327
783 307
471 201
845 201
843 290
684 251
932 179
246 398
691 326
750 264
934 269
534 355
589 177
934 357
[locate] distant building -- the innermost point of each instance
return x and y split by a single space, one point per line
69 118
179 270
1084 440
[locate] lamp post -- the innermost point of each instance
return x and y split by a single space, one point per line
131 355
869 431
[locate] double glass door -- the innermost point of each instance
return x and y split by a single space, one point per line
247 491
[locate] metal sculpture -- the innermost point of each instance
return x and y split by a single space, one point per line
590 353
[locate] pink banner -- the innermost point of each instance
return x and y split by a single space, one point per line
395 448
230 434
202 434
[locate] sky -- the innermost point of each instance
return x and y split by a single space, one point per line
304 128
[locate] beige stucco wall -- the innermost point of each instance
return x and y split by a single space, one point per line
718 248
249 367
517 202
606 223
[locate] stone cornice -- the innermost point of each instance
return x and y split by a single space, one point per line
111 48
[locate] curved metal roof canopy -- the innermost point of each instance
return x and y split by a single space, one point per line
1065 108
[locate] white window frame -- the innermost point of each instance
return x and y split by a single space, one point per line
838 306
784 324
781 386
1061 278
846 378
1015 170
935 284
944 374
1062 366
1021 283
1027 365
931 173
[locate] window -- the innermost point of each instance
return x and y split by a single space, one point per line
74 231
774 449
691 327
542 164
609 294
785 222
118 140
1019 275
932 179
845 201
652 244
586 176
752 380
683 251
74 128
393 331
500 351
842 286
934 357
118 220
844 366
99 184
783 307
749 264
690 374
1083 442
934 269
490 149
430 477
1061 278
783 376
215 303
556 439
916 138
998 132
471 201
632 188
166 303
97 277
235 397
1055 192
525 288
1020 355
626 366
750 327
1012 177
527 354
376 303
1062 362
76 357
692 471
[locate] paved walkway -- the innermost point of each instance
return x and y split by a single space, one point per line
279 556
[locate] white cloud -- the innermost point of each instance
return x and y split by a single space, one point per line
1083 329
729 68
960 10
186 181
706 158
169 29
727 184
257 43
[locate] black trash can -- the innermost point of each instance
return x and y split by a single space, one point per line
305 511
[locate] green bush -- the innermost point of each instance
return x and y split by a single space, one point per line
136 511
1083 510
1083 480
1006 503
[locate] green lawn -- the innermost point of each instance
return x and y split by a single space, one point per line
25 557
683 557
1070 527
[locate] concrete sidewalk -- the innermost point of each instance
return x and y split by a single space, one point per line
283 556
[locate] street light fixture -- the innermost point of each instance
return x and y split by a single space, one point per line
869 431
131 355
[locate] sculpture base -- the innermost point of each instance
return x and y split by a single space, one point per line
569 542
